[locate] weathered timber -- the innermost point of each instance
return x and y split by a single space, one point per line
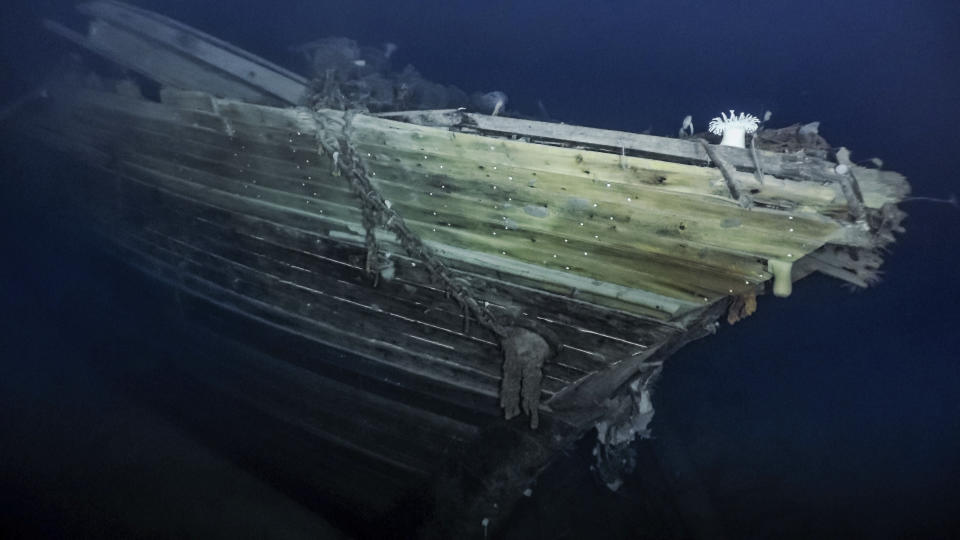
267 202
155 153
482 485
281 342
197 158
179 56
508 230
572 364
424 357
369 320
619 247
310 252
581 403
887 186
603 326
390 301
583 351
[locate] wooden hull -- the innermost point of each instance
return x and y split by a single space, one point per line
624 247
416 393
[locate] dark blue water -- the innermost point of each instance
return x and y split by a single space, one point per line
829 414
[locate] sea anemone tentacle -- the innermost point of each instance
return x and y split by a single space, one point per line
734 128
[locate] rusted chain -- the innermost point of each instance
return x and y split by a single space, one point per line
377 211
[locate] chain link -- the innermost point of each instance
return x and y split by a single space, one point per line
347 162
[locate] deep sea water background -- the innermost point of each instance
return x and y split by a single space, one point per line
829 414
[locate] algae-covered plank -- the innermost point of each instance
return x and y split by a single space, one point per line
885 187
664 232
779 247
309 258
259 200
173 164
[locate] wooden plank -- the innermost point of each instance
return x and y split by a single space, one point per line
203 48
305 272
171 217
340 204
734 283
663 175
558 168
785 166
311 266
245 269
242 66
569 367
587 287
427 142
311 251
803 197
260 230
353 323
292 345
177 55
386 301
633 260
251 162
574 319
161 65
384 351
579 403
305 352
778 244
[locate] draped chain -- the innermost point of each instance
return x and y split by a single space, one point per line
378 212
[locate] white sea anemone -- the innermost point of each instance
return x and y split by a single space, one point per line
734 128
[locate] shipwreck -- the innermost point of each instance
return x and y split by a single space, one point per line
475 266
